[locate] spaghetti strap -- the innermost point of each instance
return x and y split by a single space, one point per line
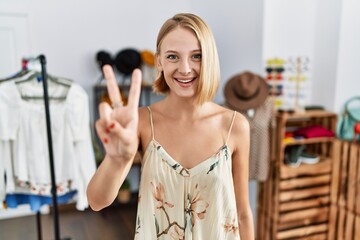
151 123
231 125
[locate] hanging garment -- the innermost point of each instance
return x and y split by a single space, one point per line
23 125
36 201
180 203
261 122
4 157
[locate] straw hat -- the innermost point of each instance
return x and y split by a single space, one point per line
245 91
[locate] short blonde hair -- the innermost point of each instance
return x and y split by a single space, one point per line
209 79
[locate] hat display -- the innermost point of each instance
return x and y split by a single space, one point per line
245 91
148 57
103 58
127 60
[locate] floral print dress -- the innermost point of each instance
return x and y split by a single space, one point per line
179 203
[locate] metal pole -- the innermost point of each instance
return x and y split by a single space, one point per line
51 155
38 224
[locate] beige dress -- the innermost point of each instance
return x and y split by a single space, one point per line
179 203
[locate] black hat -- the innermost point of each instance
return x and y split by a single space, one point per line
127 60
103 58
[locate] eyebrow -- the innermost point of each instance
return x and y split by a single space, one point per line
173 51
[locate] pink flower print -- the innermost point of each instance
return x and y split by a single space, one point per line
197 206
177 234
159 195
231 224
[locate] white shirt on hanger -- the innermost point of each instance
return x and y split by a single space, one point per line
24 124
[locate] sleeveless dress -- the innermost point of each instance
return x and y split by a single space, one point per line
180 203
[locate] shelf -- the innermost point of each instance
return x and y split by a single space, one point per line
307 181
298 194
306 115
294 203
323 167
307 141
303 214
306 231
320 201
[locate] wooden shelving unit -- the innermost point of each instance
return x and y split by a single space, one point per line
345 192
294 203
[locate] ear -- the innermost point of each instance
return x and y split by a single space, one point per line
158 62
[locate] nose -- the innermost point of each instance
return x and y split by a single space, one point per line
184 67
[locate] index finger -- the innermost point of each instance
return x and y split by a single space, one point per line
135 89
112 86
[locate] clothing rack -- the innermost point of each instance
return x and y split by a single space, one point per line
42 60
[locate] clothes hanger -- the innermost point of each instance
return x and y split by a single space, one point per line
31 71
24 97
19 74
27 66
33 65
36 76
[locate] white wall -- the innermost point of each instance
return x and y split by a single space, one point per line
348 78
289 28
326 52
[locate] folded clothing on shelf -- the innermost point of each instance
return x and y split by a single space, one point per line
314 131
309 158
292 155
295 155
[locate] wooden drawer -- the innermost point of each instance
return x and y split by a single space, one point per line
304 232
323 167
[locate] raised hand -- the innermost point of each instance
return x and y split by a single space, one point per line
118 124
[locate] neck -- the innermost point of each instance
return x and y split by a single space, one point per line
185 108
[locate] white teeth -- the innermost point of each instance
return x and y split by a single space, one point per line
185 81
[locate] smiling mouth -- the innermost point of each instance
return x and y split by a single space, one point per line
184 80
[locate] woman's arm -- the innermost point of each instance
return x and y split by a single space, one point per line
106 182
240 168
118 130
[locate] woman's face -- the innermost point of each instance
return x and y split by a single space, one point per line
180 61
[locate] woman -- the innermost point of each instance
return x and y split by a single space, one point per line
194 177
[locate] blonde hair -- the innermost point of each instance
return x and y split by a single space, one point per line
209 78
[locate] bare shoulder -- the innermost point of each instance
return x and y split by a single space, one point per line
240 132
240 122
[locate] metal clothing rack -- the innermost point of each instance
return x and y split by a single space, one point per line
42 60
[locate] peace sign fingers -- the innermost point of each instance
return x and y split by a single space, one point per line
112 86
135 89
117 126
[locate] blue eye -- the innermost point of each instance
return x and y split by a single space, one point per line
172 57
197 56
